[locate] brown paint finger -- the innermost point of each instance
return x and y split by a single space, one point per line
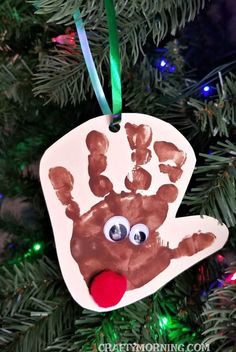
194 244
64 196
63 182
138 136
167 193
61 178
100 185
173 172
141 156
168 151
138 179
72 210
97 163
97 142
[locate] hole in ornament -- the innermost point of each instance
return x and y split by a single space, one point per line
114 127
115 122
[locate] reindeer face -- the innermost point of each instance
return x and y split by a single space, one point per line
124 229
123 207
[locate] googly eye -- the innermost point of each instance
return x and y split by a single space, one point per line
116 228
138 234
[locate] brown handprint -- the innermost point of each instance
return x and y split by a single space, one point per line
119 233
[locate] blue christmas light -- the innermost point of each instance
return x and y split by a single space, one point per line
206 90
163 63
1 196
172 68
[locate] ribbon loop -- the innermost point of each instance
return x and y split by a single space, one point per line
114 58
115 69
115 123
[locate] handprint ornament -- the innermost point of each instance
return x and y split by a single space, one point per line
112 200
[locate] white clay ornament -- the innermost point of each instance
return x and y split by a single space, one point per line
112 199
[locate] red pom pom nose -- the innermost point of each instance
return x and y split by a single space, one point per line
107 288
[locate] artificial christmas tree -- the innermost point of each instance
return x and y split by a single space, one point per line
45 93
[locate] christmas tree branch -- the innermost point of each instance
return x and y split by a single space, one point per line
16 81
216 193
219 317
128 325
35 306
217 116
17 16
137 9
63 79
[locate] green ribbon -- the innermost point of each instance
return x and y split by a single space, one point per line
115 70
114 58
